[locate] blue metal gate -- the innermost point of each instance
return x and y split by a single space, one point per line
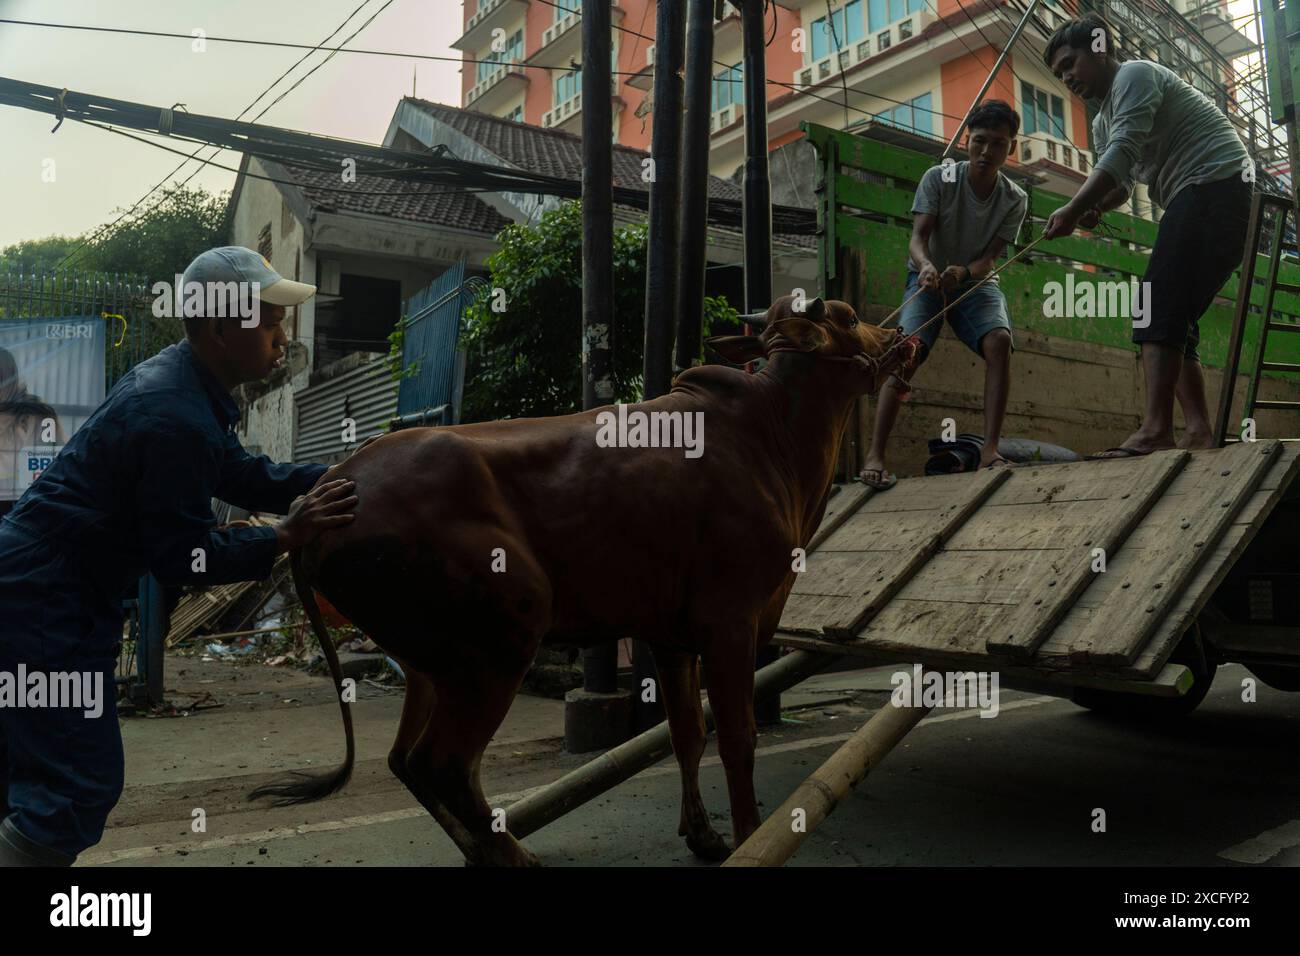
431 396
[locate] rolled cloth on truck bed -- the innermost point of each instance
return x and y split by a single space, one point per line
963 453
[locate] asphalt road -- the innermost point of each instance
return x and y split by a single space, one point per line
1023 788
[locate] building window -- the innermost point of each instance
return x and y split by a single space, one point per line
905 30
1083 162
563 8
849 28
728 87
881 13
516 115
916 115
1042 112
492 60
882 41
567 86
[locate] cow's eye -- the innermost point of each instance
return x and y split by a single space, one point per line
853 322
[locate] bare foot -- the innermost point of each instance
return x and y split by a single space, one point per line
1144 442
1201 438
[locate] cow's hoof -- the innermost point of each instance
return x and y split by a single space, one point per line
710 846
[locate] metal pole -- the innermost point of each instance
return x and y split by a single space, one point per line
600 664
757 185
661 267
695 182
665 197
1015 35
628 759
757 221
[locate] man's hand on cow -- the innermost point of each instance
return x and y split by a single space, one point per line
326 506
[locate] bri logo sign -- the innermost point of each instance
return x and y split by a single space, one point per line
34 461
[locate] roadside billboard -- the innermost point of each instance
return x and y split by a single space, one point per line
52 375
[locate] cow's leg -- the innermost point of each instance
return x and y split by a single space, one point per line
729 667
418 707
444 762
680 682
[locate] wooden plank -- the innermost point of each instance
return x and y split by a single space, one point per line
1171 680
879 578
1054 594
918 494
850 498
1117 632
1230 550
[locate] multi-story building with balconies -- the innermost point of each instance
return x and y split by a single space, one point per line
905 69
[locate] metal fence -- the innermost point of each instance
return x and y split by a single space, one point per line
430 340
121 301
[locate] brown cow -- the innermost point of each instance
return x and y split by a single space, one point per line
474 544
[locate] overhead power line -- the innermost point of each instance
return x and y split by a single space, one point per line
327 154
107 230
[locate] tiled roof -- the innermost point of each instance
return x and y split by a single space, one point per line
551 152
434 205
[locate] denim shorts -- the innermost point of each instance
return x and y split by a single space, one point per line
983 311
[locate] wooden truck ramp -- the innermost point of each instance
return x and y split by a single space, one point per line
1095 567
1084 574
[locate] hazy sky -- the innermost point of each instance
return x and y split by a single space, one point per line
353 96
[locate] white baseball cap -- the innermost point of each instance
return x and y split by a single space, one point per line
237 264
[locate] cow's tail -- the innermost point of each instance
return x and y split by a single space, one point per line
305 786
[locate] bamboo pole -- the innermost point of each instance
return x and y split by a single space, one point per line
628 759
784 831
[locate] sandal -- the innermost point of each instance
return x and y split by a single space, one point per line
882 481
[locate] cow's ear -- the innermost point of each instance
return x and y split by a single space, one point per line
815 309
737 349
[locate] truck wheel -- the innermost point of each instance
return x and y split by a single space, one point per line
1140 707
1277 676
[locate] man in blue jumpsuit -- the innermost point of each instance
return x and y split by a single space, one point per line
131 493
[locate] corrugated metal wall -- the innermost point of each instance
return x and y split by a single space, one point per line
366 394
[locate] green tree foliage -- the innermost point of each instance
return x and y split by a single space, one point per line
37 255
162 241
155 243
524 342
